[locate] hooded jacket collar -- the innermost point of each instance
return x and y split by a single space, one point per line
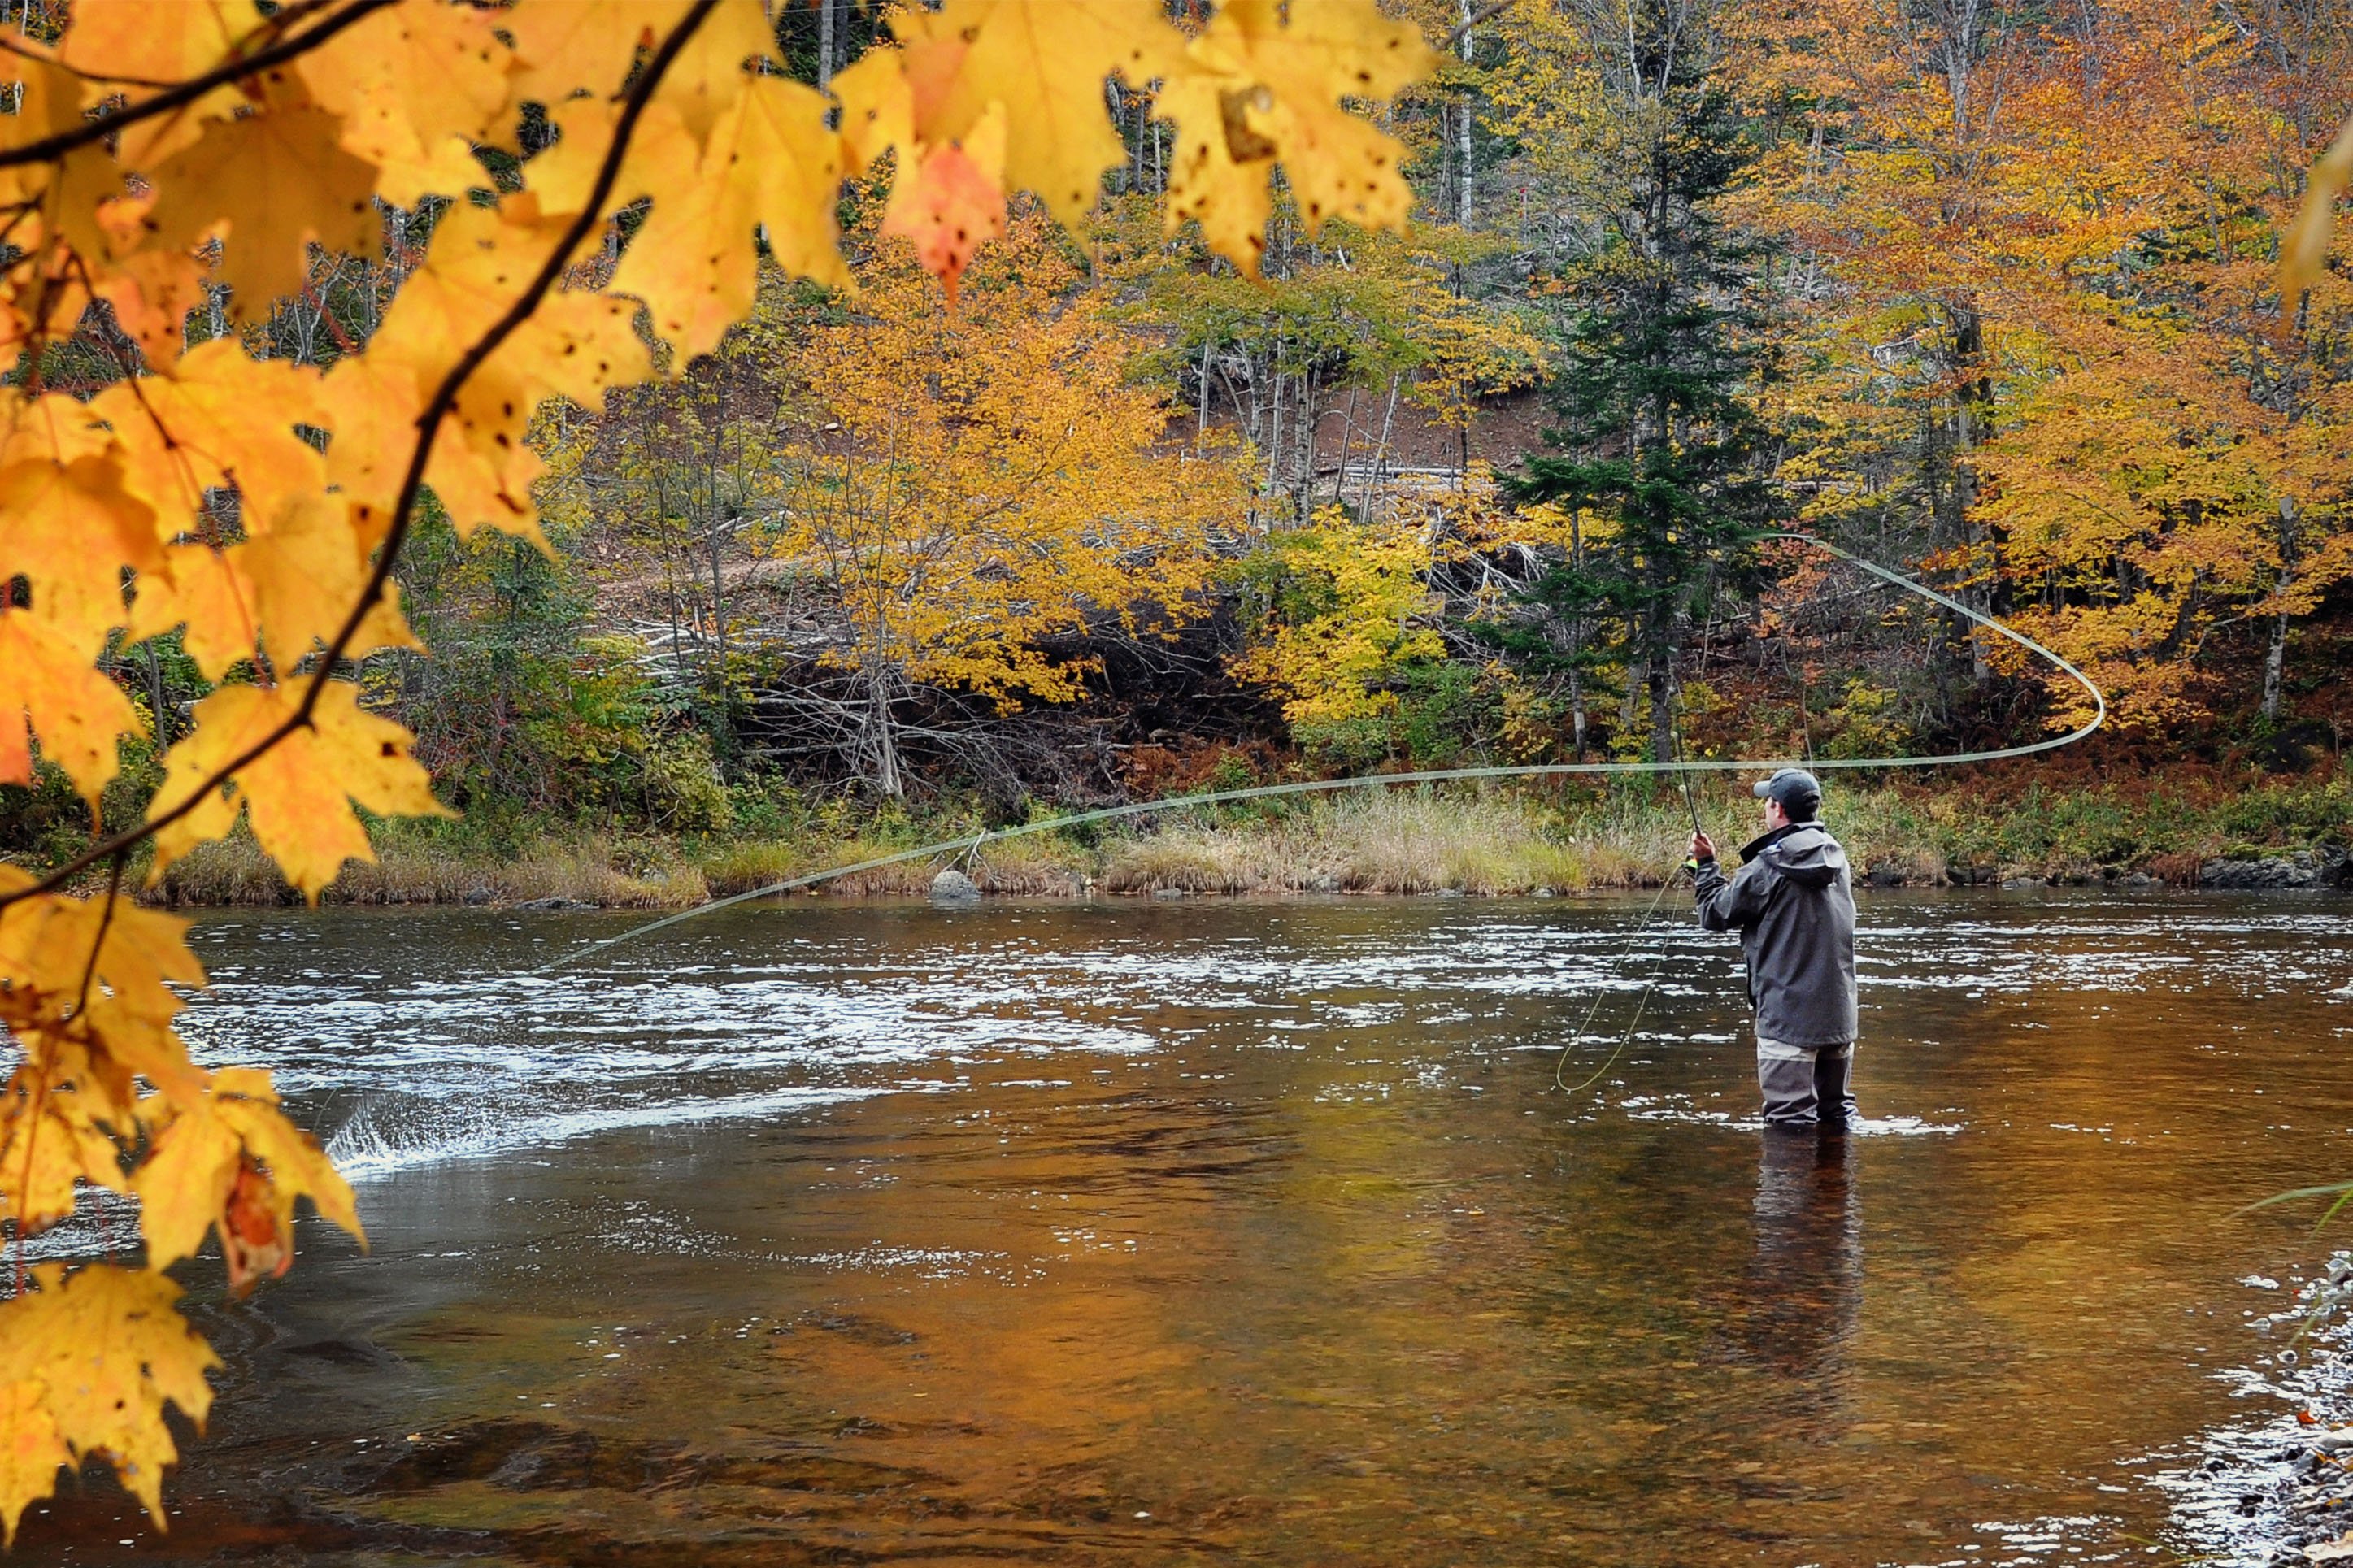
1803 853
1757 846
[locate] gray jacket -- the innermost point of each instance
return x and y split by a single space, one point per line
1793 905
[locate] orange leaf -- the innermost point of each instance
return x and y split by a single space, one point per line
1045 61
955 200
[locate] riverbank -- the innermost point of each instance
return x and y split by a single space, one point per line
2286 833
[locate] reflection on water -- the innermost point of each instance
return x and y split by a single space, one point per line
1804 1287
1201 1231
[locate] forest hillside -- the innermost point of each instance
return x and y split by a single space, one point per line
1986 293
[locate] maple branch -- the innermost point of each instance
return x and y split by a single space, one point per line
428 425
97 130
98 942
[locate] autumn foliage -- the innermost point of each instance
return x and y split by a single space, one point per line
164 156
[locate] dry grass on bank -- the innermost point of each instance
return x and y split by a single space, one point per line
1493 841
235 871
1384 843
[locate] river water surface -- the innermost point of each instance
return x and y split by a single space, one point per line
1180 1232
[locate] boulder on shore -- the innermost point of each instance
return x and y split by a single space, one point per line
2327 867
953 887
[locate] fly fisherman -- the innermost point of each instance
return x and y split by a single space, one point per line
1793 901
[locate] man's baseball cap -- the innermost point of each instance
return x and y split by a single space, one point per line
1798 791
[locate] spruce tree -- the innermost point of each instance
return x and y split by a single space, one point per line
1654 438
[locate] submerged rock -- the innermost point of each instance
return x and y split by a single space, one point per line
953 887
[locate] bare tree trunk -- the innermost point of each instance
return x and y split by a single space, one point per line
1347 430
1380 452
1274 430
1302 445
1463 136
2275 654
1577 637
155 693
1201 414
1972 422
1637 674
721 725
886 742
1663 712
825 43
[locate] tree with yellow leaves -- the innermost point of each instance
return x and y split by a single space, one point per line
164 156
966 483
2041 343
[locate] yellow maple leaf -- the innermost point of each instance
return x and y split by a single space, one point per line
183 1184
298 795
288 587
1264 86
70 529
107 1350
575 345
48 942
370 403
416 86
135 47
152 292
1045 61
217 416
52 428
561 178
48 100
31 1451
77 713
2304 250
140 42
44 1152
204 1152
279 179
297 1166
771 162
194 588
708 76
566 48
878 106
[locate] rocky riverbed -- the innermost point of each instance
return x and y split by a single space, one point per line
2276 1492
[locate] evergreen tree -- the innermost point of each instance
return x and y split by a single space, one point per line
1656 449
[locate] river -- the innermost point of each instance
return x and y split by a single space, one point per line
1205 1231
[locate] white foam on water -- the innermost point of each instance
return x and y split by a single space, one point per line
1678 1108
374 1143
